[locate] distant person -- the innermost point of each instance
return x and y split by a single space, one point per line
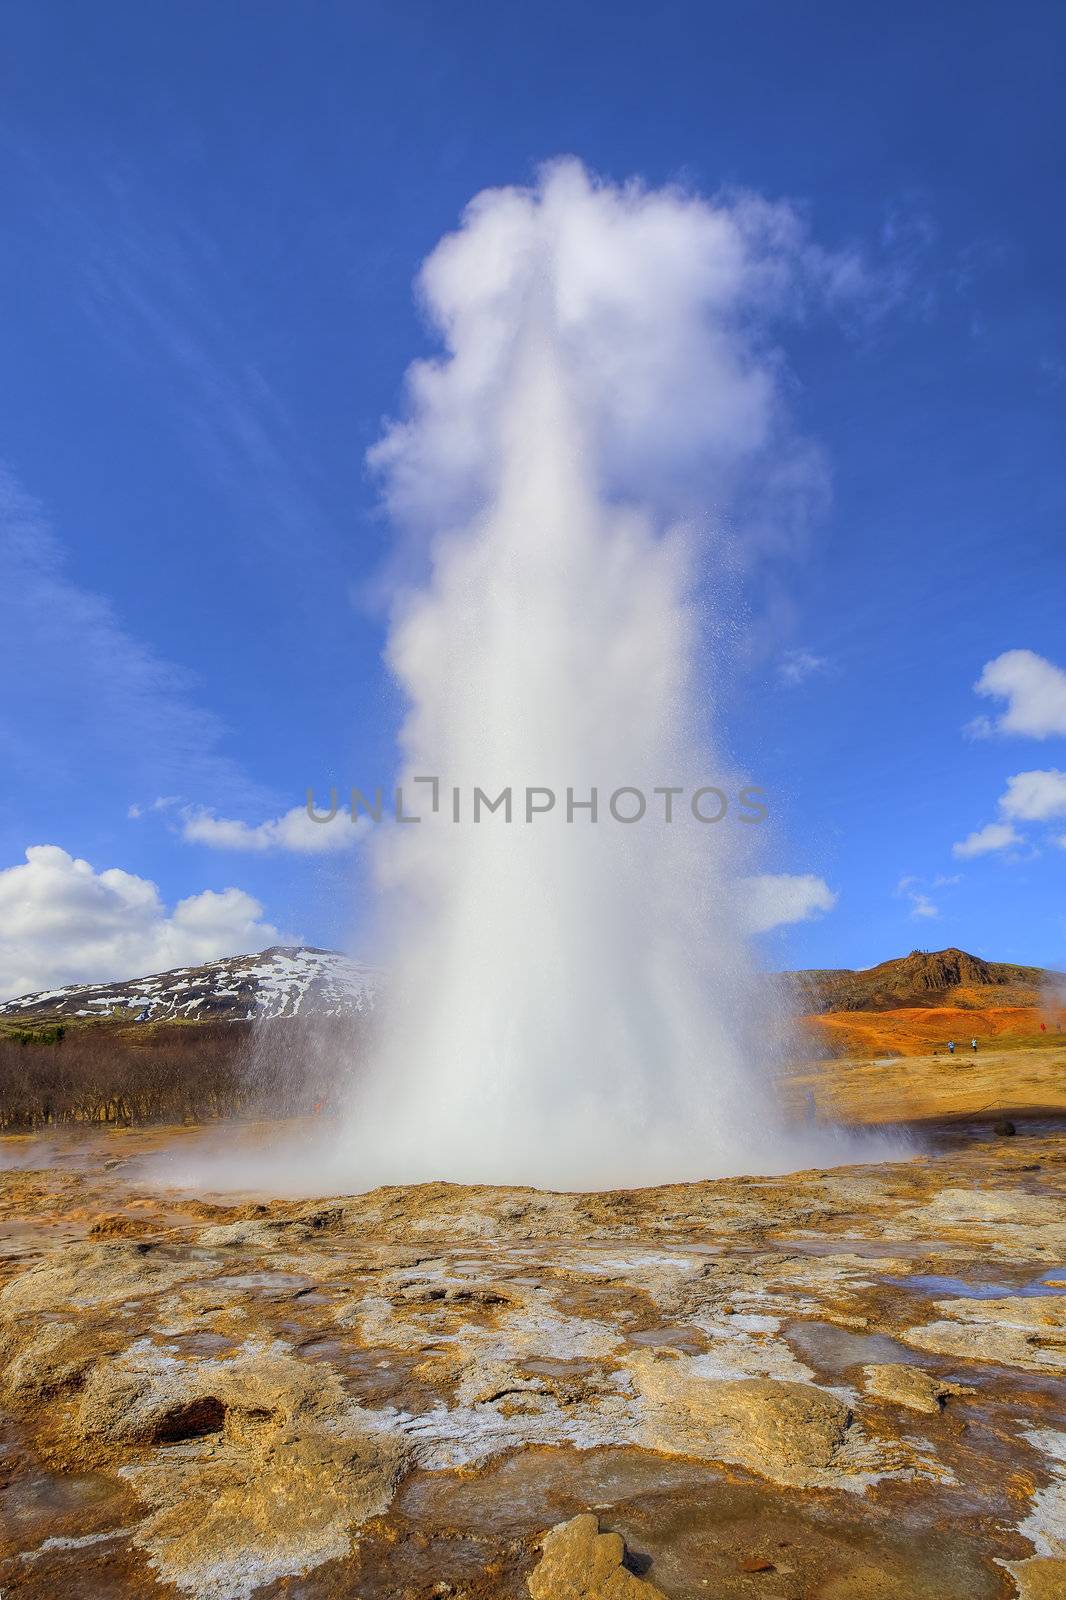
973 1046
951 1047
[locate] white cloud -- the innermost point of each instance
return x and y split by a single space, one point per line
665 304
777 898
993 836
796 666
294 831
1035 796
63 922
1035 692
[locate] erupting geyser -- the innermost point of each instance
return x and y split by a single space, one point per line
572 1001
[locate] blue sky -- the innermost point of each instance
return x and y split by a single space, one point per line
213 219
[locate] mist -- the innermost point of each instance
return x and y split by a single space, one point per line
572 1000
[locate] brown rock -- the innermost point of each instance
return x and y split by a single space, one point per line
792 1433
1042 1578
95 1275
118 1226
578 1562
911 1387
1027 1331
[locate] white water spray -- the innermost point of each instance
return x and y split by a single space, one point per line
572 1003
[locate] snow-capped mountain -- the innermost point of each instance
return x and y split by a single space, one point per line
279 982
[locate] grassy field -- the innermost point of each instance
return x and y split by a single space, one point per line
1024 1079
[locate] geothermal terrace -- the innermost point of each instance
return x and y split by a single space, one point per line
836 1385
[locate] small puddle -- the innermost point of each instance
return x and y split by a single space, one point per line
939 1286
264 1279
43 1496
322 1350
38 1504
692 1530
23 1240
836 1350
200 1344
547 1368
838 1245
690 1340
376 1375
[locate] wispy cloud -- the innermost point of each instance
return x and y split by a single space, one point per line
296 831
796 666
913 891
69 664
165 802
156 286
149 285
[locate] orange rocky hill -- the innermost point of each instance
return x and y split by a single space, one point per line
912 1006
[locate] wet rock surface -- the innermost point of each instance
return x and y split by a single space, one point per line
841 1383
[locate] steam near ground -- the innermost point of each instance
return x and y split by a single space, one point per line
573 1003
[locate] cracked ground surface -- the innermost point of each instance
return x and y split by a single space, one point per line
842 1384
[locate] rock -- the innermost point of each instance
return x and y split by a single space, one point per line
226 1520
145 1397
1029 1226
119 1226
42 1361
258 1377
1042 1578
253 1468
95 1275
970 1208
269 1465
578 1562
911 1387
1005 1128
792 1433
1017 1331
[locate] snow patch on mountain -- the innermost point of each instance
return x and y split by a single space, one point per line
283 981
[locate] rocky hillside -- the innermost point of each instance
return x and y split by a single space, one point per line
924 978
288 982
280 982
